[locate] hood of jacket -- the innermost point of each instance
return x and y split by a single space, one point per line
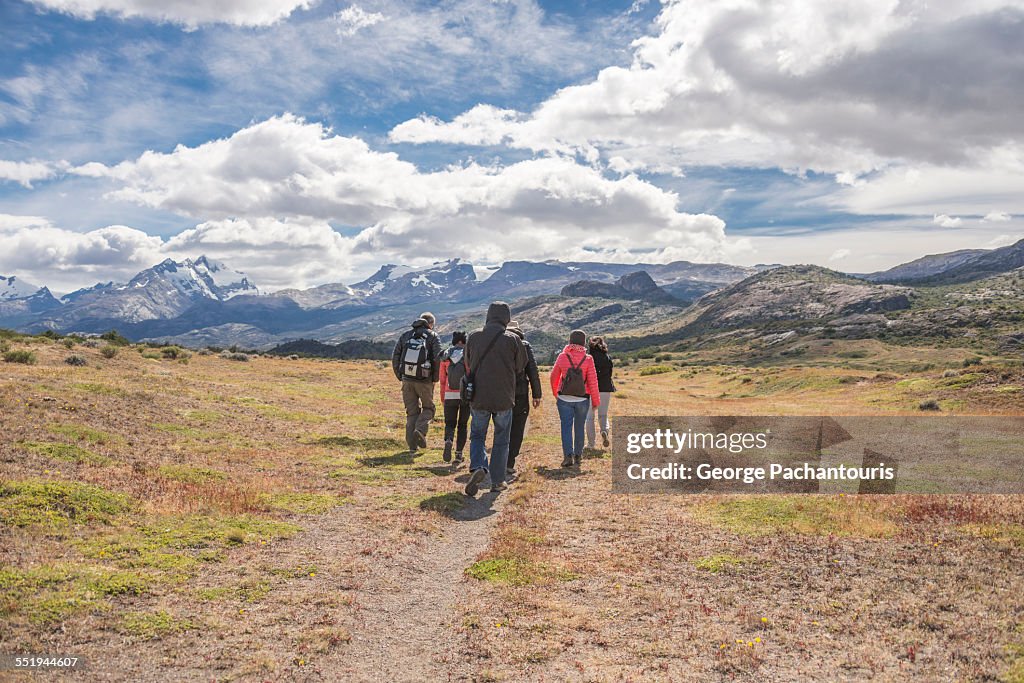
499 312
420 323
575 352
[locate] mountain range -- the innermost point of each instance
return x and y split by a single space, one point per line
201 301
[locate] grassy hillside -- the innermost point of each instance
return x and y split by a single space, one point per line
176 516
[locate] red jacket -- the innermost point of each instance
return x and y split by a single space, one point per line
445 391
576 353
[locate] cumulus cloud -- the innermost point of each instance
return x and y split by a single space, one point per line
353 18
845 87
63 259
839 254
26 172
944 221
996 217
188 13
301 174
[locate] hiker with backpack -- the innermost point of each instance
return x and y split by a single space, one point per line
494 357
603 366
527 380
456 410
574 384
416 364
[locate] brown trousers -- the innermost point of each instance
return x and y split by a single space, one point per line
419 409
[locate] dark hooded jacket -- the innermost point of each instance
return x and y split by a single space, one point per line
529 378
420 326
495 373
603 365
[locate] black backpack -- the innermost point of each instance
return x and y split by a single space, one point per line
456 368
573 383
415 360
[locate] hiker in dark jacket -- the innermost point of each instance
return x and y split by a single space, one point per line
494 357
527 380
603 366
574 384
456 410
416 362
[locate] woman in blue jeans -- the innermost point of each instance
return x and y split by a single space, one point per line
574 384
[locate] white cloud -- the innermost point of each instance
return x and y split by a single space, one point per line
285 173
839 254
62 259
996 217
26 172
353 18
1002 241
188 13
944 221
793 84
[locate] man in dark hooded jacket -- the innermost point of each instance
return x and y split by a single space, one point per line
494 357
526 381
418 379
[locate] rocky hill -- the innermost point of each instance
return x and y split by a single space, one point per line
637 286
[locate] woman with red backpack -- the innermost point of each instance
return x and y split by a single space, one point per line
456 410
574 384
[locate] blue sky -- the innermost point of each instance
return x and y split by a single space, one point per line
307 141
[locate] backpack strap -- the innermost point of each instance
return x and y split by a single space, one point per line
486 351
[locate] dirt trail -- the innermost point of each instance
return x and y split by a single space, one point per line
403 630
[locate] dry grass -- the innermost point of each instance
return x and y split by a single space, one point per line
231 520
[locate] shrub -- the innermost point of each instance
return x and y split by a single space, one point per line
930 404
973 360
23 357
69 343
234 356
75 360
655 370
115 338
91 343
109 351
171 352
50 334
4 346
662 358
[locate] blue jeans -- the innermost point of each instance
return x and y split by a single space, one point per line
573 415
499 449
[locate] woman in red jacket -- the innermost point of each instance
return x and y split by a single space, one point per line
574 384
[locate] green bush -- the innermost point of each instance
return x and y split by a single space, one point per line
973 360
655 370
930 404
4 346
114 337
109 351
23 357
76 360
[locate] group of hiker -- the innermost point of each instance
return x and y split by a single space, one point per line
491 376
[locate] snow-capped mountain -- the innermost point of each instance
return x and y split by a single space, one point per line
402 284
14 287
164 291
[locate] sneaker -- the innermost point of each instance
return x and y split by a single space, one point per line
499 487
577 459
447 451
473 485
511 476
457 463
604 439
567 461
421 439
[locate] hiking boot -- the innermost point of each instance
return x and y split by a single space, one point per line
604 439
499 487
567 461
420 438
473 485
511 476
457 463
447 457
577 459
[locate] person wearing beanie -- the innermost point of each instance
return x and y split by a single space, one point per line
574 385
494 357
456 410
415 362
604 366
527 380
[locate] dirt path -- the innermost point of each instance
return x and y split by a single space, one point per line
404 630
